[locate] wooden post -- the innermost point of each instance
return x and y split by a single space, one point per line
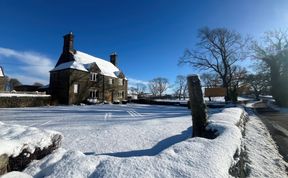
198 108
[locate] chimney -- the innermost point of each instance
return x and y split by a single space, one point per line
68 43
113 59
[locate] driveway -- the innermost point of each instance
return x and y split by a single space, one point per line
277 124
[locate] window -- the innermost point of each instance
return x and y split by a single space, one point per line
120 81
110 81
93 76
94 94
121 94
76 88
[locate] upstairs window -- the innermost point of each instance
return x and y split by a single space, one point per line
120 81
93 76
110 81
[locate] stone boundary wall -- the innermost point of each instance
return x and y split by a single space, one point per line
153 102
20 162
24 101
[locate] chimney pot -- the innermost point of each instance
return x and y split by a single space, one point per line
68 43
113 58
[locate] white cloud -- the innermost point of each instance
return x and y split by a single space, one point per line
133 82
25 79
35 66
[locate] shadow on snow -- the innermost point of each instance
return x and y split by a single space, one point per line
158 148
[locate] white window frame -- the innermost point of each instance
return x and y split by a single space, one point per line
93 94
93 76
120 82
110 81
76 88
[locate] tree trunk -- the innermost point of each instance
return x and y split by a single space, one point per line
275 83
225 85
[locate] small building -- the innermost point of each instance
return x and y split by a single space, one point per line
2 79
79 77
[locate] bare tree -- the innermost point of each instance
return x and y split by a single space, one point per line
141 88
218 51
133 90
138 89
181 88
158 86
259 83
273 51
210 80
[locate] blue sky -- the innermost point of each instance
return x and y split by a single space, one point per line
148 35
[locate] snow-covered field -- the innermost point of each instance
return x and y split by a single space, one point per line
136 141
106 128
130 141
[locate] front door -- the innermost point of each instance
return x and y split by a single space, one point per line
110 97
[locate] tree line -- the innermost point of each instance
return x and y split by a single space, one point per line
220 52
219 55
157 88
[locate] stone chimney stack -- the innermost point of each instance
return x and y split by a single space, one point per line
113 59
68 43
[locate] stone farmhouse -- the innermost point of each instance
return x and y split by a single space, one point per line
2 79
79 77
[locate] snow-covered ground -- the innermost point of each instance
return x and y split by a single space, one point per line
23 95
15 138
263 158
222 99
133 141
105 128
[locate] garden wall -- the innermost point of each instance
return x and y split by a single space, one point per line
159 102
24 101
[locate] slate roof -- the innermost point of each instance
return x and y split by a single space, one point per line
1 72
83 61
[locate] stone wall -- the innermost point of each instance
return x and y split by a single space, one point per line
16 101
2 83
62 84
59 85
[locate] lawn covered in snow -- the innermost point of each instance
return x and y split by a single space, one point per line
139 141
130 141
108 129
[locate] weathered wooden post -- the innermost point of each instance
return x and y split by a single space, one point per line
198 108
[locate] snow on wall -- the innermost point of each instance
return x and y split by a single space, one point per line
22 95
15 138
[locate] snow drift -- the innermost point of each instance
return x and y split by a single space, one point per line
194 157
21 144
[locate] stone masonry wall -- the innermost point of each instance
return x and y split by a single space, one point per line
14 102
